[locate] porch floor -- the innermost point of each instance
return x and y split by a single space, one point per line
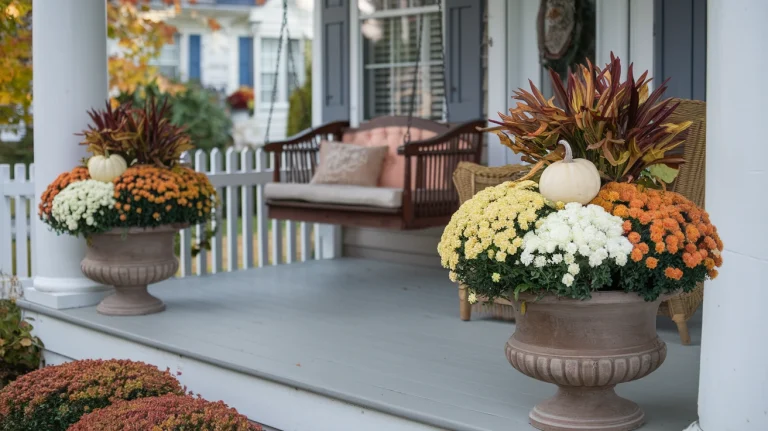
377 335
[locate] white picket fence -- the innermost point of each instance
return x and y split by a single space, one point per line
244 236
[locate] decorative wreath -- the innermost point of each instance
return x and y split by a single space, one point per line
565 32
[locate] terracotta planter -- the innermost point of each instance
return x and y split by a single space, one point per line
586 348
129 260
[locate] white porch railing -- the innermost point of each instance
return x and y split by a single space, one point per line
244 237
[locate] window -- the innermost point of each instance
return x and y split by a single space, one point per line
268 65
389 31
170 58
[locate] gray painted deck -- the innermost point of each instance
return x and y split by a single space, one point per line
381 335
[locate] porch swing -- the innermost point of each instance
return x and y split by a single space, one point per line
414 190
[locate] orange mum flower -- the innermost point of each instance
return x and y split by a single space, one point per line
673 273
636 254
627 226
80 173
671 223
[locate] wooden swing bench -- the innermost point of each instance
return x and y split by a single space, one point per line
414 190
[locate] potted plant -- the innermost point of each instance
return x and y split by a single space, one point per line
241 103
129 200
588 253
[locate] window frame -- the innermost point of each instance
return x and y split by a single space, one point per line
357 59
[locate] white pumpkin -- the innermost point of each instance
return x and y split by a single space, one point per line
106 169
570 180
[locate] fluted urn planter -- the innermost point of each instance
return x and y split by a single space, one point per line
130 259
586 348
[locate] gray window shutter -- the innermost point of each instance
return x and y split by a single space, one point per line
680 47
463 59
336 68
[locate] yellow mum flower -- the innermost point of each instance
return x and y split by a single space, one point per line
496 277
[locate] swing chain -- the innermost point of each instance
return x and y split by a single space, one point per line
446 113
283 29
294 76
415 82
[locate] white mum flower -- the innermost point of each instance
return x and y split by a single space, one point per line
540 261
526 258
76 205
573 269
557 258
568 280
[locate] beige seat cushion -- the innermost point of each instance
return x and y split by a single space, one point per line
339 194
349 164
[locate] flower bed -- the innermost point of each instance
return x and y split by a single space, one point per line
54 398
168 412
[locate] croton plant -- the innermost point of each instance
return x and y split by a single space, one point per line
620 126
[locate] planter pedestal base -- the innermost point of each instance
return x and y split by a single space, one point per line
130 301
586 408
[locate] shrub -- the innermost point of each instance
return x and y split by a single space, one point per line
300 105
20 351
168 413
675 245
54 398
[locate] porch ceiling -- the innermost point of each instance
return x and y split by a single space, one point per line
377 335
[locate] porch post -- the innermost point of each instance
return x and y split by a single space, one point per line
733 381
69 52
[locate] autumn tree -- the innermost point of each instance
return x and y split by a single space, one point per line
15 62
140 32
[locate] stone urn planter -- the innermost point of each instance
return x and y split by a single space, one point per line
586 348
129 260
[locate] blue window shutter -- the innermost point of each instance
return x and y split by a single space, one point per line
463 59
336 68
194 57
245 61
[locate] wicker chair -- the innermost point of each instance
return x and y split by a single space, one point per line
689 183
470 178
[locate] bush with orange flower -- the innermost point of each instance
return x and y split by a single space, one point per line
675 245
148 196
168 412
53 398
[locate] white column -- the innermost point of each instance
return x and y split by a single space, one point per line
733 382
69 52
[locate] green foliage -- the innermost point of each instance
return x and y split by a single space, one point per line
300 104
20 351
54 398
196 108
18 152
